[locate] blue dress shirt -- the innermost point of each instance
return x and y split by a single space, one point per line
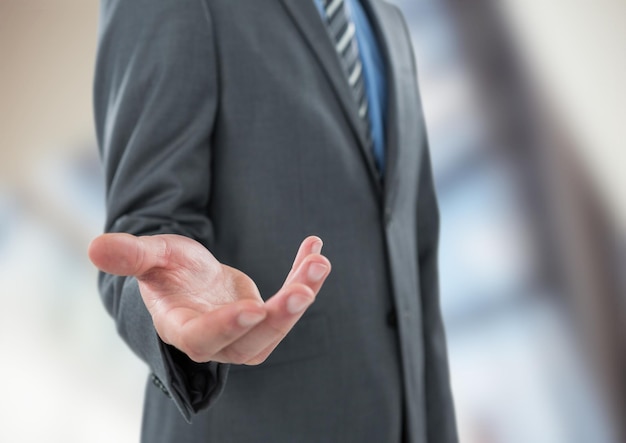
374 75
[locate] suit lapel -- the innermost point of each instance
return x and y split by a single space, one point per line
384 20
307 18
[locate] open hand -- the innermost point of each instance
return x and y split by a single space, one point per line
210 311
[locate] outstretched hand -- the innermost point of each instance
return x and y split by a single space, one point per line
210 311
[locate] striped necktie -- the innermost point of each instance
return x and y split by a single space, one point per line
343 33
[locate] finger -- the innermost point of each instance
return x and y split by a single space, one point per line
312 272
267 334
126 254
283 311
310 245
203 336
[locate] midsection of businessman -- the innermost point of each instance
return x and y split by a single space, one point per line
231 122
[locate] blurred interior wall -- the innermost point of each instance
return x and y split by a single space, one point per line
47 49
556 105
68 372
592 278
576 52
574 55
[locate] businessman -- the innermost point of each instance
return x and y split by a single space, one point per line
231 131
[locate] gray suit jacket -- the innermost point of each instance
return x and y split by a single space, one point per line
231 122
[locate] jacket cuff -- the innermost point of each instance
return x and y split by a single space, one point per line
192 386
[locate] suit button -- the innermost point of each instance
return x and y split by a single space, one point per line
159 384
392 319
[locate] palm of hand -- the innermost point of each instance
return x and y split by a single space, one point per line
209 310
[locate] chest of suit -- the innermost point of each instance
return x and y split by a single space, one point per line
282 90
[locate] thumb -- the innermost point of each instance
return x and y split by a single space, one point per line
126 254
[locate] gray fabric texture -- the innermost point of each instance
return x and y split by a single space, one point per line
232 122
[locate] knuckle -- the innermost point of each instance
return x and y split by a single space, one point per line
163 251
303 289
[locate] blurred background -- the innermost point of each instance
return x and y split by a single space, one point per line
524 104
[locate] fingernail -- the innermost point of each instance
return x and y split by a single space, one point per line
249 319
316 272
297 303
317 247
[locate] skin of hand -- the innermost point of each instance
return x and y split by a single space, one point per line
210 311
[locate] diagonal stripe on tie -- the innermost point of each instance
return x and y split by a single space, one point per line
355 74
332 6
343 31
346 38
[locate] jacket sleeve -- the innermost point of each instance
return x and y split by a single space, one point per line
440 417
155 100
